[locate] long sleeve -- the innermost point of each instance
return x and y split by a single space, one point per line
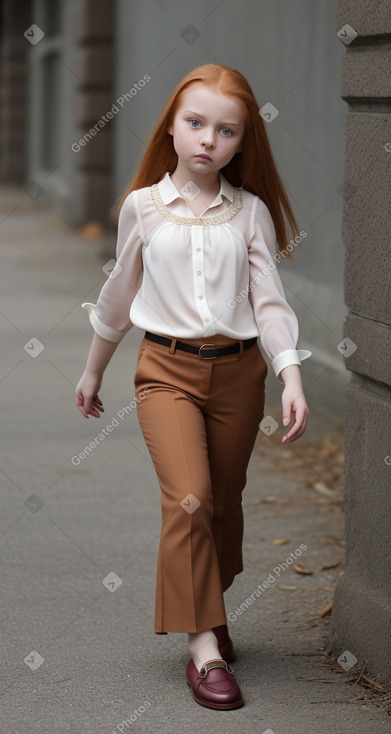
276 321
110 315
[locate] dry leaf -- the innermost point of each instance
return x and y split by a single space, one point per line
301 569
325 453
290 588
281 541
321 487
271 514
334 564
326 610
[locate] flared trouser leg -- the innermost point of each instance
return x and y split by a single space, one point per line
199 419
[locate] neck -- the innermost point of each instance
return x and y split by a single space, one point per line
209 183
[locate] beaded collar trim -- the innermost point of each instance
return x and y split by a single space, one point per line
235 207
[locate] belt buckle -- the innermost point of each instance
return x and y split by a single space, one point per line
207 346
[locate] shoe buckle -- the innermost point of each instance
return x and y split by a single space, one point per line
214 664
208 347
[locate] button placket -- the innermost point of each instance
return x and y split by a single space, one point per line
199 277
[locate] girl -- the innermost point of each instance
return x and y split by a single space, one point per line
197 226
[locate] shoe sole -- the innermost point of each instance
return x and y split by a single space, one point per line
216 706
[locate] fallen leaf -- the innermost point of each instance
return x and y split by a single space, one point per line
290 588
321 487
301 569
326 610
325 453
281 541
334 564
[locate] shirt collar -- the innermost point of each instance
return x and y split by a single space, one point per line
169 192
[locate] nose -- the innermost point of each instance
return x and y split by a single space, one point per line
208 139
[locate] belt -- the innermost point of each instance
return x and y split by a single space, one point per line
205 351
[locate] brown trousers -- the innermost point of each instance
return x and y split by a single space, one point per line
199 420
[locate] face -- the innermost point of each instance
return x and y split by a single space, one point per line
207 129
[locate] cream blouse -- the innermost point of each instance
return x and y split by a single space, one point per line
189 277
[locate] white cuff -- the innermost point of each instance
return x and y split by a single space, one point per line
289 356
106 332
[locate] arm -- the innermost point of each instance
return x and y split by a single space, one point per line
87 398
277 322
110 315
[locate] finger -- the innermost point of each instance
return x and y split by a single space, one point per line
80 404
82 410
286 414
298 427
97 403
95 413
84 404
94 406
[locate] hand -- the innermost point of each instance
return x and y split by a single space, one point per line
87 398
293 400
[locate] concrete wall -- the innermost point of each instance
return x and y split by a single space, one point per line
361 617
291 56
70 89
13 85
93 25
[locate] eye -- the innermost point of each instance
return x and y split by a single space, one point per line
226 132
196 123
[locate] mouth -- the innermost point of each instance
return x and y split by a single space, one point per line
203 157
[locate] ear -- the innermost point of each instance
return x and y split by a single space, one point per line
170 130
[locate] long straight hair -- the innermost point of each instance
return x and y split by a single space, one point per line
252 169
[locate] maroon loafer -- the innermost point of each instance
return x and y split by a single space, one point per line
224 642
214 686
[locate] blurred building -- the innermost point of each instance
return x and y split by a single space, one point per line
57 82
83 82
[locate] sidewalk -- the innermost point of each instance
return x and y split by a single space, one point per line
79 533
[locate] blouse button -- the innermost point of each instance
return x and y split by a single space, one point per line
207 319
200 296
198 249
199 272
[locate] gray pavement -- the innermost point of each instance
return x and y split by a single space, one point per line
78 655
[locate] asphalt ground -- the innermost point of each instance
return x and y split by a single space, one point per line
79 538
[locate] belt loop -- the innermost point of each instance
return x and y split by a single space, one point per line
241 347
173 346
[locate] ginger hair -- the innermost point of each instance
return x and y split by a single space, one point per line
253 168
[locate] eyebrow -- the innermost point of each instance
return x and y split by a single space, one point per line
197 114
